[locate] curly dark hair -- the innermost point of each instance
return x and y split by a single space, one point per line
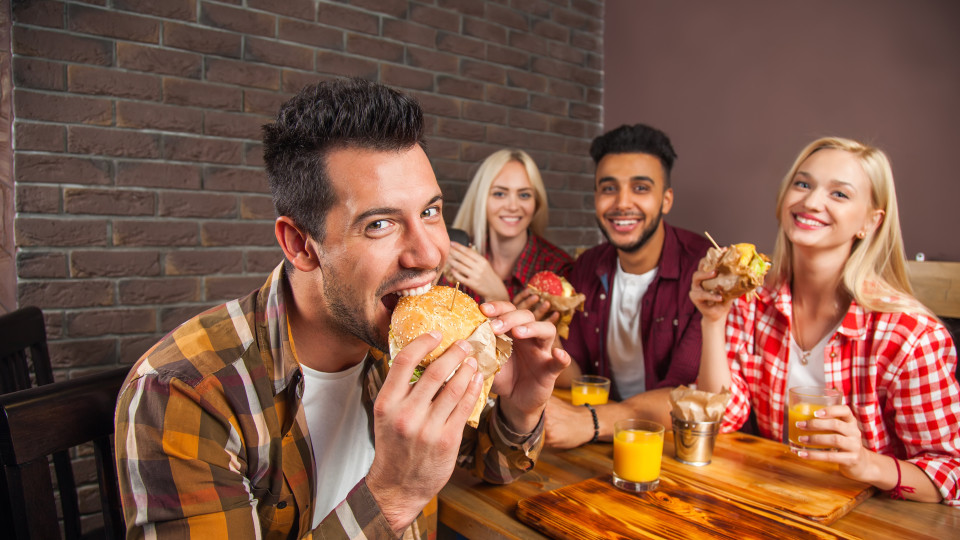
636 139
331 115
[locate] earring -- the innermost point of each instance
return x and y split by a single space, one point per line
861 235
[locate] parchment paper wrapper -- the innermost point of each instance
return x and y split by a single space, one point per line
728 283
692 405
565 306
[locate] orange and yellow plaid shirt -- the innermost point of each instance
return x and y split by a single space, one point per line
212 441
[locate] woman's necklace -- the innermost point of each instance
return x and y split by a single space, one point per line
804 352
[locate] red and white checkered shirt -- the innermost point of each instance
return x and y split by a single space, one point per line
896 371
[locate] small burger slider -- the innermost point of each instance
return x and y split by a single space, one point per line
456 316
740 269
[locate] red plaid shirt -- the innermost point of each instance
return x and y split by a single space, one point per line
896 371
538 255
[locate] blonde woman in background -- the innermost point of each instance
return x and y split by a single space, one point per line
505 213
837 311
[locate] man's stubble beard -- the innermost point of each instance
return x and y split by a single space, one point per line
648 233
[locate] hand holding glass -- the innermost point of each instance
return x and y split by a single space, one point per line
802 402
637 449
589 389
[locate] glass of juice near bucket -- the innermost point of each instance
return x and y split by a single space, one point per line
802 403
637 451
589 390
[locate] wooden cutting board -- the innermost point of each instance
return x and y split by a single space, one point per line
676 510
767 473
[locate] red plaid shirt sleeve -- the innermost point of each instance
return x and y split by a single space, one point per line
895 371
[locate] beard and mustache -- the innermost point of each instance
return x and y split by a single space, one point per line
645 235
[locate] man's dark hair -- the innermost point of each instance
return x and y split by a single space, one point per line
344 113
636 139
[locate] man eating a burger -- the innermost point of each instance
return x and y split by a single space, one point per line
638 326
269 415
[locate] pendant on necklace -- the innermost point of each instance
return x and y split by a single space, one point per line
804 357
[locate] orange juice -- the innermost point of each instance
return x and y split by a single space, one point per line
636 455
592 395
802 412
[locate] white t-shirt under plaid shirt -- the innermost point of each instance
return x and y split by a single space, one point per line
896 371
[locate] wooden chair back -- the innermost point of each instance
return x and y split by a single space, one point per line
937 285
37 422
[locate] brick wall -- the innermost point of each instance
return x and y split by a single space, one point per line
140 195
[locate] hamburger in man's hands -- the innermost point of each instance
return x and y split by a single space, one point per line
456 316
740 269
559 292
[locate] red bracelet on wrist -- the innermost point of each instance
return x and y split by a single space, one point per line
898 491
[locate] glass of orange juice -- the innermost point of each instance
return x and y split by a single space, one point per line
637 449
802 402
589 390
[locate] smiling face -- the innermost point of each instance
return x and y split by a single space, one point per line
631 198
829 202
385 236
511 202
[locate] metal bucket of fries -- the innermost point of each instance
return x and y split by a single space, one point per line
693 441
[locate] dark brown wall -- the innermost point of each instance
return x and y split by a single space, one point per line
742 86
140 193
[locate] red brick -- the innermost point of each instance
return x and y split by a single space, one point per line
551 30
53 320
347 66
394 8
459 87
566 53
264 103
138 292
594 96
278 54
301 9
201 94
540 8
41 264
186 204
409 33
200 149
443 148
203 262
372 47
132 348
577 21
237 234
476 152
528 42
62 294
588 77
171 9
459 129
528 120
262 261
229 287
243 126
59 46
242 73
85 352
157 60
453 170
38 13
239 20
402 77
40 74
291 81
507 17
507 56
588 42
433 60
588 7
461 45
484 112
62 108
158 175
154 233
60 232
37 199
112 142
574 164
235 179
482 71
510 97
438 105
171 318
113 263
253 154
526 80
42 137
108 202
109 23
311 34
99 322
594 61
549 105
160 117
522 139
586 112
201 40
52 169
566 89
347 18
484 30
437 18
257 207
464 7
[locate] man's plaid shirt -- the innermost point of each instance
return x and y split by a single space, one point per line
896 372
212 440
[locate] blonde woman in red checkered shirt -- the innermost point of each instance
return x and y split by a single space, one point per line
837 309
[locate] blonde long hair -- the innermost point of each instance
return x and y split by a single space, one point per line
875 273
472 215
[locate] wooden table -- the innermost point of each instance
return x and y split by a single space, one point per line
482 511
